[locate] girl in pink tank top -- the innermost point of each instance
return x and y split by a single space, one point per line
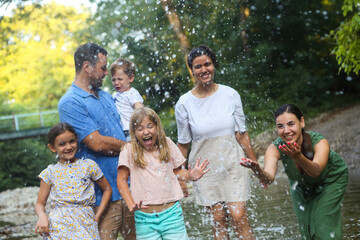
155 166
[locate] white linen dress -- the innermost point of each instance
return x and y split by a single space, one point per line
210 124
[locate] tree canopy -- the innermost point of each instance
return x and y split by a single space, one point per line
36 48
347 37
272 52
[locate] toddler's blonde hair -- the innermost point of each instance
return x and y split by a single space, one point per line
126 65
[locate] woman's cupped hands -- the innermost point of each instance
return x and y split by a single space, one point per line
291 149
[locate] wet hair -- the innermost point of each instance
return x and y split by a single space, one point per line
87 52
199 51
128 67
138 150
57 130
306 146
289 108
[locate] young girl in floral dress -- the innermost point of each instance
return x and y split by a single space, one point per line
70 185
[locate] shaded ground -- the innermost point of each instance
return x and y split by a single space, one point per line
341 128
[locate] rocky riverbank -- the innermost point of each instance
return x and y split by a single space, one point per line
340 127
17 214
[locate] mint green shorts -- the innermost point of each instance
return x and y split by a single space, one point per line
168 224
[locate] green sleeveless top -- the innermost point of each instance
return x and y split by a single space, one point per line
335 167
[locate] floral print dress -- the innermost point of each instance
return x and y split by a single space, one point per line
72 197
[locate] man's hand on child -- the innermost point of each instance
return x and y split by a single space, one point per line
199 170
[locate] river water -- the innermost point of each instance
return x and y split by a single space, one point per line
271 214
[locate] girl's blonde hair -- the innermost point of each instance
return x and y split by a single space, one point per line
138 151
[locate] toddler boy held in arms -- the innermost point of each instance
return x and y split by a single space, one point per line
127 98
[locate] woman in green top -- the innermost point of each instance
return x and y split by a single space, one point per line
318 176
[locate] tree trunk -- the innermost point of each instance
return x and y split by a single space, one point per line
175 22
244 14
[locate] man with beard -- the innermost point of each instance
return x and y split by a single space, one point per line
93 115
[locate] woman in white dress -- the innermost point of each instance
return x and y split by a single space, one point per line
210 118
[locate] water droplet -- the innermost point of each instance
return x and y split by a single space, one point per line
293 187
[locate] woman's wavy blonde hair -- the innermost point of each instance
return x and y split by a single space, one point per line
138 151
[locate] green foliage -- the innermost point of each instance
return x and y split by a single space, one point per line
21 162
169 123
140 31
36 54
271 52
347 37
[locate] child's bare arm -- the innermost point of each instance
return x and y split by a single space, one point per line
121 182
181 173
42 225
107 191
122 177
183 176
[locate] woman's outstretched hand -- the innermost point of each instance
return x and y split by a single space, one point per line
199 170
249 163
293 150
253 165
